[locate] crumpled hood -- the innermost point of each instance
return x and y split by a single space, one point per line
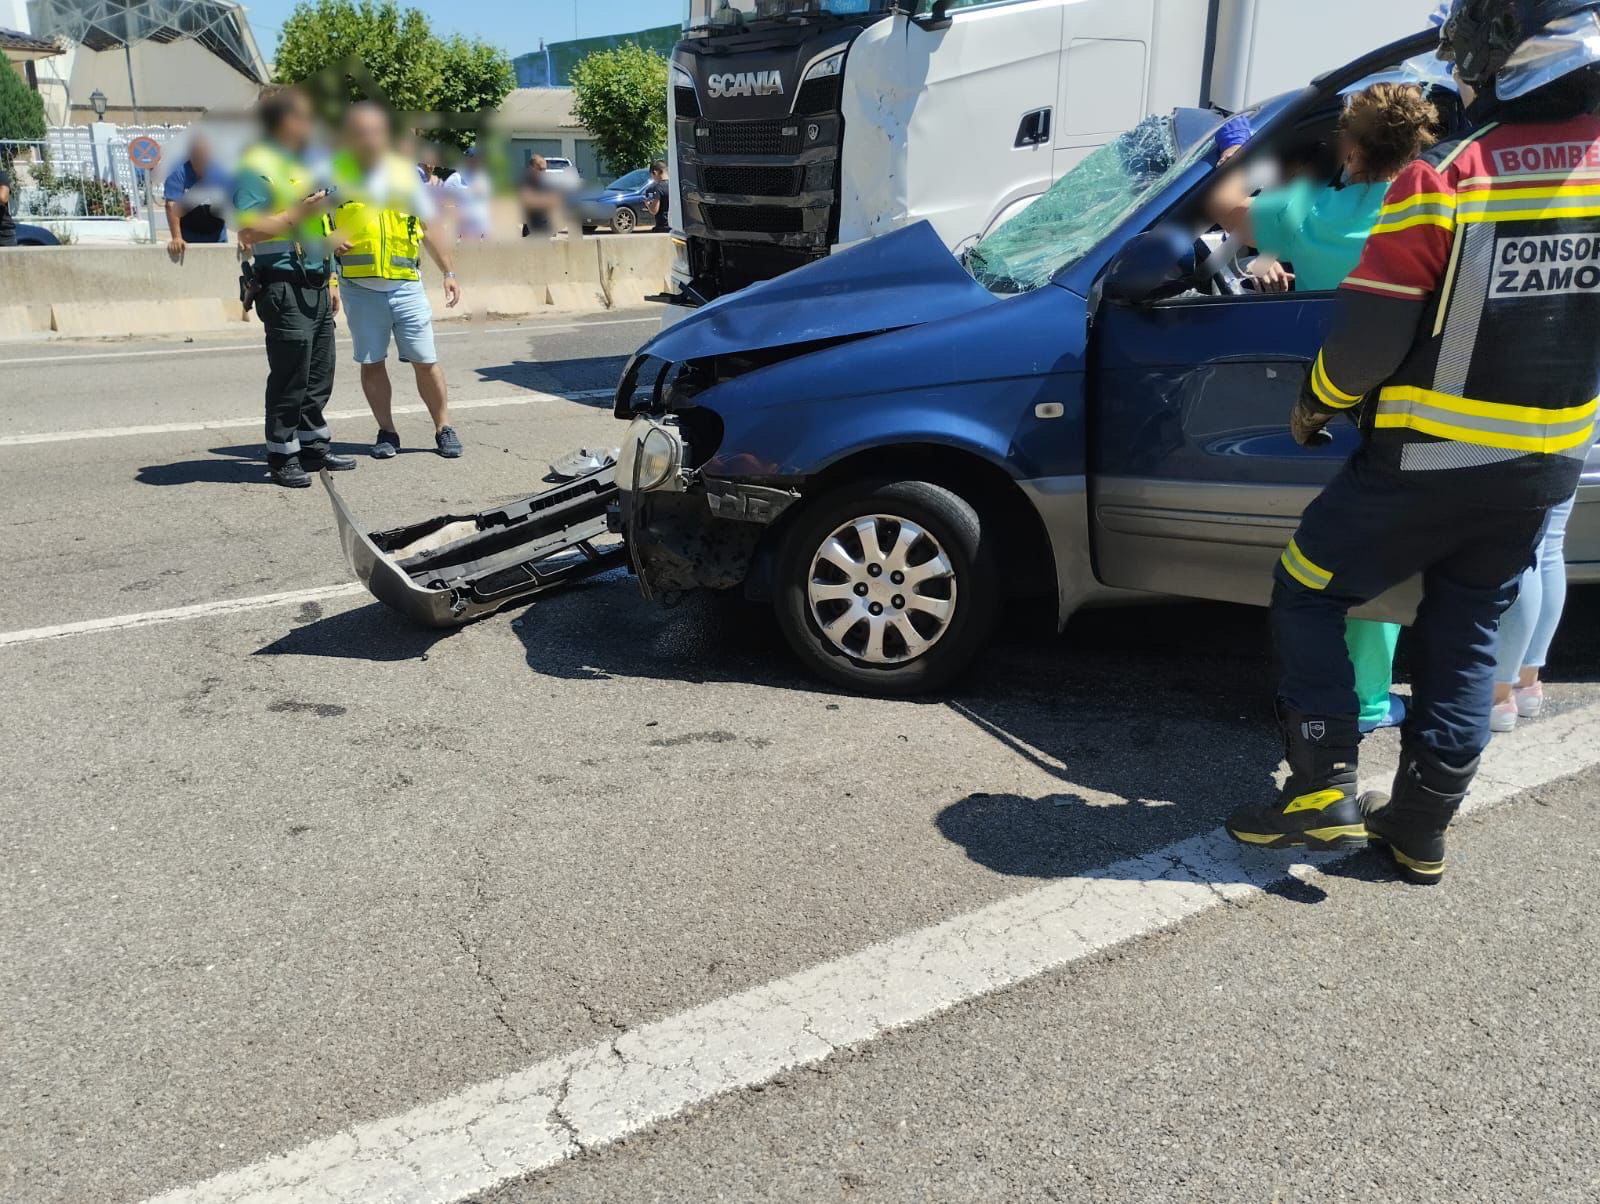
902 279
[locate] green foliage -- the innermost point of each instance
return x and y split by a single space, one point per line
21 110
101 198
476 78
621 97
347 50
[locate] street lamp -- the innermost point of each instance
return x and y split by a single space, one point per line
97 99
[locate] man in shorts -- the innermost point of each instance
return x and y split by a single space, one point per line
389 214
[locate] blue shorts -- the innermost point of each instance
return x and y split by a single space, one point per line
373 316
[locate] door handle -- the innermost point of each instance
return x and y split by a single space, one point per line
1035 128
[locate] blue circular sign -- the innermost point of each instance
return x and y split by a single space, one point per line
144 152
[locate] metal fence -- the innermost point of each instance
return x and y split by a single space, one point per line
69 175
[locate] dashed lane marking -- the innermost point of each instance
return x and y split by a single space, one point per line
177 614
535 1118
201 349
526 397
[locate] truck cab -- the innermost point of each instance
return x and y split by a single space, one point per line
797 127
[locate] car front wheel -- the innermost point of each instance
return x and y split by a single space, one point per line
623 221
888 588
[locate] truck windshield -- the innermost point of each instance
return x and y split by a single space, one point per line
722 16
1083 207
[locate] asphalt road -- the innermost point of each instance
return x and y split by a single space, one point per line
273 873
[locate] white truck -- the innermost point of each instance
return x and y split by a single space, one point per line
800 126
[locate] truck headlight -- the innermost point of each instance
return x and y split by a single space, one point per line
681 78
823 68
657 461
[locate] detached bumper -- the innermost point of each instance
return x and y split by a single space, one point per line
448 570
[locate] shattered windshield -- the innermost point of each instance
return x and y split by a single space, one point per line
1085 205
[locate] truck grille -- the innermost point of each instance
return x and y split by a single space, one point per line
756 219
820 96
754 138
755 181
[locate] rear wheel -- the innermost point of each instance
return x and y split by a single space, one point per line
888 587
624 220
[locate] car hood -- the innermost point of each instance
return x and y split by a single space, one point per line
905 278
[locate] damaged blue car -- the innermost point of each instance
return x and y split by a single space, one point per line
1090 403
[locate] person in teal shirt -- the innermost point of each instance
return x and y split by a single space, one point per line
1319 228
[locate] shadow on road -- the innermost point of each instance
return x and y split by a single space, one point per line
369 633
244 464
557 376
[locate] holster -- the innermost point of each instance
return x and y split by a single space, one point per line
249 285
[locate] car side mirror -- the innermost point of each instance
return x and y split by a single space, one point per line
1151 265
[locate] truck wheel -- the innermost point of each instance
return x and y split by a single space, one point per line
623 220
887 587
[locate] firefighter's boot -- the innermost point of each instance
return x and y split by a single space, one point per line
1318 808
1411 822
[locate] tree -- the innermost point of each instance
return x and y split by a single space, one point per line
476 78
348 50
21 110
621 98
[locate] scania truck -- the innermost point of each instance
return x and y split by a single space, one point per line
800 126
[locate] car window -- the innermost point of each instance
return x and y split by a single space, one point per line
1083 207
633 180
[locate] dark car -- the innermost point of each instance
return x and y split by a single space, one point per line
36 236
889 443
620 206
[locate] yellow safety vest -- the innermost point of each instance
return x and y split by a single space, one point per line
289 182
384 241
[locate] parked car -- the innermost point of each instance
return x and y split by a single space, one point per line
563 175
620 206
889 443
36 236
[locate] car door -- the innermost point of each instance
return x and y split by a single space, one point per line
1196 484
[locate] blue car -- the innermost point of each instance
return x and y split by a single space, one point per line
890 443
620 206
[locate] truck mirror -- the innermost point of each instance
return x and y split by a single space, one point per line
1150 265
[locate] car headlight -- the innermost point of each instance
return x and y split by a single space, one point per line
657 460
823 68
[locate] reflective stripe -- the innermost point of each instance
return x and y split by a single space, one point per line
1326 392
400 261
1465 142
1486 423
357 261
1433 200
1303 569
1433 215
1383 286
284 449
1529 204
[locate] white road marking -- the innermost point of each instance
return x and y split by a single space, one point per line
526 397
201 610
558 328
536 1117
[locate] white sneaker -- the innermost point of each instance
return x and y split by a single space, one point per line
1504 716
1529 700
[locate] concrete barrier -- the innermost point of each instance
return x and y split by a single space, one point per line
110 291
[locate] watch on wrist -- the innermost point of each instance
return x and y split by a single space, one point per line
449 275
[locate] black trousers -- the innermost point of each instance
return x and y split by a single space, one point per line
1370 530
300 356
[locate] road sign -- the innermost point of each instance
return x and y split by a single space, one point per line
144 152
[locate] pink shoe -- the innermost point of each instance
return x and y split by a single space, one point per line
1529 700
1504 716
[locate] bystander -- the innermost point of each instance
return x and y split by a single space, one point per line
197 193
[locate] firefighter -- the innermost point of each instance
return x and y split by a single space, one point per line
1466 340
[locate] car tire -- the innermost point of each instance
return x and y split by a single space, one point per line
624 220
939 523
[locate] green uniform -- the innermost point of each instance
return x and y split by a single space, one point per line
1322 230
294 304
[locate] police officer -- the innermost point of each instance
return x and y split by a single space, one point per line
282 223
1466 341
